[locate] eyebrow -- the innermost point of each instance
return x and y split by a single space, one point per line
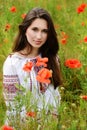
45 29
38 28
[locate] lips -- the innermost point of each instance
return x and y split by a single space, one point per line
38 42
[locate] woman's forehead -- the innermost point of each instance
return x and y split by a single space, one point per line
39 22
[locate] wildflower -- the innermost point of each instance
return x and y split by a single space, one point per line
56 26
80 41
43 75
64 35
63 41
73 105
5 127
85 39
7 27
5 40
62 88
58 7
64 38
23 16
63 127
83 24
84 97
13 9
31 114
41 62
73 63
28 66
65 109
81 8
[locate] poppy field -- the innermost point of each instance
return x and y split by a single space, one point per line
70 21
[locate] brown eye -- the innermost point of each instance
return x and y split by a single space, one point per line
45 30
35 29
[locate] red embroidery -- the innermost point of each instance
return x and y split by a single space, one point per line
9 82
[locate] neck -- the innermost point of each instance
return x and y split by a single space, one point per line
32 54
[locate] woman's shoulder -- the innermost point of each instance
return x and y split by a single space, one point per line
8 64
12 59
12 62
9 58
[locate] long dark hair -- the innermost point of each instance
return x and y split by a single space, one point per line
49 49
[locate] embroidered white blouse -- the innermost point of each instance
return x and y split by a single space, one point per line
13 73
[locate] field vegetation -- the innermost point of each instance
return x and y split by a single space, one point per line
70 20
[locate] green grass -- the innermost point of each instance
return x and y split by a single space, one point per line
73 110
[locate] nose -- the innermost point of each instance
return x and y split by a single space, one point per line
39 35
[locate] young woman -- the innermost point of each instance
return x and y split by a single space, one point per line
36 38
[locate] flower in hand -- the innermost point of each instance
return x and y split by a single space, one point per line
28 66
42 61
43 75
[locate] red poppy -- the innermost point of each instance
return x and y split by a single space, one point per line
44 75
63 40
83 24
85 39
64 35
23 16
56 26
73 63
5 127
81 8
42 61
7 27
84 97
58 7
28 66
13 9
80 41
31 114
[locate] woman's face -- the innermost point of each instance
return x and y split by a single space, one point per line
37 33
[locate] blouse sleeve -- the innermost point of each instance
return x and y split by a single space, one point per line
10 79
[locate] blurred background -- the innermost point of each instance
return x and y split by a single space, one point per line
70 21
